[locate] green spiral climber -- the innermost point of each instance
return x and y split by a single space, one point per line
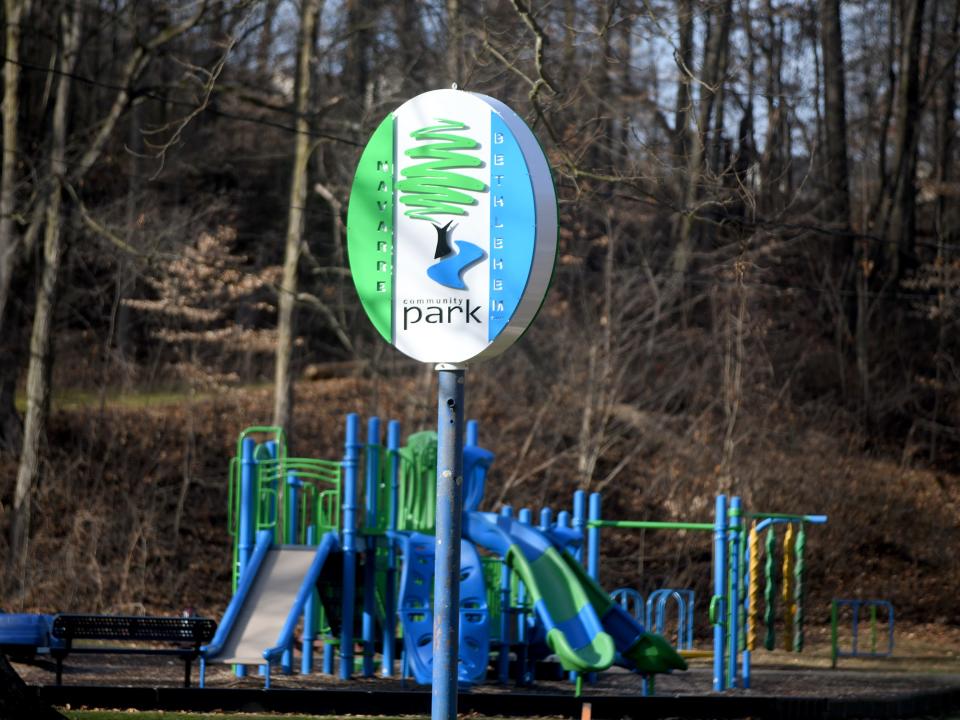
799 569
769 594
432 187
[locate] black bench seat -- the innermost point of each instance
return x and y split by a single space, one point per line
187 633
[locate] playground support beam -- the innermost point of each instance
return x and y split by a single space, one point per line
788 517
719 590
371 486
733 606
648 524
246 528
446 592
503 659
351 462
309 617
390 600
579 519
594 523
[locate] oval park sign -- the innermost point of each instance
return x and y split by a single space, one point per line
452 227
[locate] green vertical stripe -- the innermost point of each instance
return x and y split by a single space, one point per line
370 232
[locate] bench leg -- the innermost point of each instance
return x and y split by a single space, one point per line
59 670
186 672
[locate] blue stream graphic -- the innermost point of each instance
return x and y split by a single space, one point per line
449 270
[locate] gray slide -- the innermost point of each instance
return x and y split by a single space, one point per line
271 597
269 603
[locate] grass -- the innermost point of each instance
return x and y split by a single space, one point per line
73 398
160 715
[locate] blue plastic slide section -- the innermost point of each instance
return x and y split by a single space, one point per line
416 613
476 463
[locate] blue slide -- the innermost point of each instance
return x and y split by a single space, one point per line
416 612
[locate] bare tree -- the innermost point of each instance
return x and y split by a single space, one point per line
63 177
38 375
286 325
15 12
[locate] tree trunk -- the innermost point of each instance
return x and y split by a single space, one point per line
265 65
902 205
684 100
410 25
286 325
836 204
454 58
38 372
946 232
835 201
14 11
711 87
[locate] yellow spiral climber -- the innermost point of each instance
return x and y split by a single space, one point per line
789 599
753 602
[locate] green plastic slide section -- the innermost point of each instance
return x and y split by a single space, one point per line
418 483
549 578
651 653
370 236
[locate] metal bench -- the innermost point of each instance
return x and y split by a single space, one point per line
187 633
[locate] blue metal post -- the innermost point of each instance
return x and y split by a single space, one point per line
247 527
719 590
563 519
579 520
503 659
248 505
371 486
593 534
473 433
523 637
309 617
733 607
328 654
290 508
390 601
446 589
546 519
351 462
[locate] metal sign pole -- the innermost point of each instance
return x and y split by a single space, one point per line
446 589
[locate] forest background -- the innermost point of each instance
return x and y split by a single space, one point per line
756 291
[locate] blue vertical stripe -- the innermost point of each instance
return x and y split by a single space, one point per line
513 224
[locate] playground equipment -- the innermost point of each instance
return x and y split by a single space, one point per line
653 612
306 554
855 606
734 609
